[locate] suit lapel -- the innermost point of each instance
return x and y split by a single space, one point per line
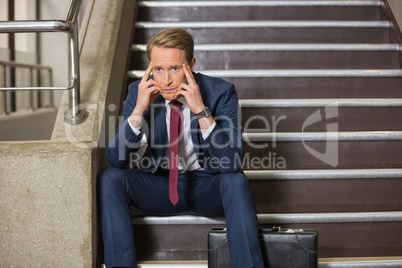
195 130
194 133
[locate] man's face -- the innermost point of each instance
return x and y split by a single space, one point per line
167 69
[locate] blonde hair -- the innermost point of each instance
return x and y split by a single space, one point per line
173 38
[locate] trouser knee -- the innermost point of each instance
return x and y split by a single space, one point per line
234 183
109 181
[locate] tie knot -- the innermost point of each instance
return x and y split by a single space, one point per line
175 104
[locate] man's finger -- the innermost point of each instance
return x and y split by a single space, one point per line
155 93
185 87
189 75
181 90
150 83
152 88
147 73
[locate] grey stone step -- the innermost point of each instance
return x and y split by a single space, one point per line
277 33
357 102
391 262
309 87
263 73
263 24
271 3
287 59
299 218
296 155
326 195
293 119
323 174
322 136
374 262
286 47
256 10
340 234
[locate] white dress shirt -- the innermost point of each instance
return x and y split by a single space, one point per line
188 159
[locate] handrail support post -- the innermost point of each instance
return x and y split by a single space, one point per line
3 94
75 115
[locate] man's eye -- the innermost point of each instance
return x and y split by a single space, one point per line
158 70
175 69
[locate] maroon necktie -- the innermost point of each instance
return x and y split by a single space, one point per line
175 126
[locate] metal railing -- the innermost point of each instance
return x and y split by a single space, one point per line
32 68
75 115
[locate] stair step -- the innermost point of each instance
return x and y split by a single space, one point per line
288 56
266 103
325 194
270 3
295 155
304 73
284 35
260 73
391 262
350 217
173 264
323 174
263 24
274 59
286 47
286 122
340 234
295 86
293 119
351 235
249 12
322 136
325 190
170 264
373 262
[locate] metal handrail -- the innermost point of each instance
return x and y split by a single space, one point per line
73 11
84 22
31 67
29 26
24 65
75 115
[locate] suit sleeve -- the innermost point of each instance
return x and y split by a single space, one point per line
224 145
125 140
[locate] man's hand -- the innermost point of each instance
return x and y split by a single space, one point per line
191 92
148 90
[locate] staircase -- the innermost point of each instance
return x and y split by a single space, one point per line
320 88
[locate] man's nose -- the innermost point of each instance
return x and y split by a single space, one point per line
168 78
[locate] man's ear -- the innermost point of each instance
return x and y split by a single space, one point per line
192 64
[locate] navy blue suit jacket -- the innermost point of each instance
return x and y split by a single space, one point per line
221 152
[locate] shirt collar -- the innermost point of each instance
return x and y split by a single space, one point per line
180 99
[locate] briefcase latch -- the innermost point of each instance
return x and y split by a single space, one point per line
294 230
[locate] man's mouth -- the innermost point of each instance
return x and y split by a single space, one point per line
169 90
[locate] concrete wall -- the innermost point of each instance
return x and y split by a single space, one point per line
46 205
396 7
48 188
28 125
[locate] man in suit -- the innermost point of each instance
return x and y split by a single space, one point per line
181 130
